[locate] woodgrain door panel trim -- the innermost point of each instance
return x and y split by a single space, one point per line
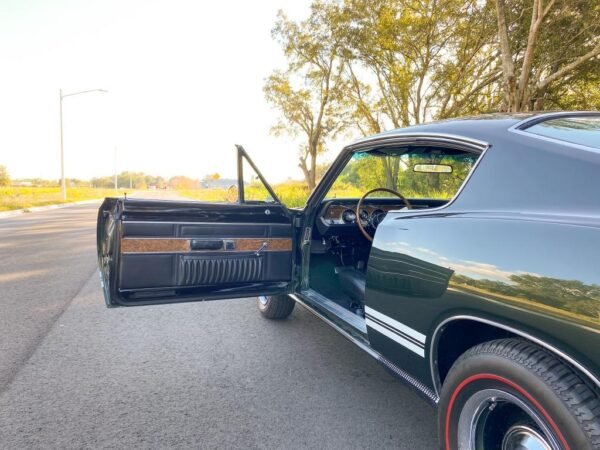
183 245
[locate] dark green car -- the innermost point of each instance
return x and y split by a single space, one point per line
464 255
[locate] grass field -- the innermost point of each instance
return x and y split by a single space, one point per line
28 197
292 193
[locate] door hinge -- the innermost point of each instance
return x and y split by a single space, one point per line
298 222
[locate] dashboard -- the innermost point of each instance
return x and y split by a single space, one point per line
339 216
336 214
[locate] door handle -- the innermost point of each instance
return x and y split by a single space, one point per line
263 246
206 244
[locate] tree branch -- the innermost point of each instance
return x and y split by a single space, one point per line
569 67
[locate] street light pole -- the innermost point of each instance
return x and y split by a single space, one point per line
63 182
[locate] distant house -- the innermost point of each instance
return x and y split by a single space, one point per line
221 183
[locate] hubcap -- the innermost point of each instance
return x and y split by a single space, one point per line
263 299
493 418
521 437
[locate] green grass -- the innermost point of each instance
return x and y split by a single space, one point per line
293 194
28 197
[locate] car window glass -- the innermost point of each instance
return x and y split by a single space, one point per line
577 130
254 189
414 174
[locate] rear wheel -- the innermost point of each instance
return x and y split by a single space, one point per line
275 306
511 394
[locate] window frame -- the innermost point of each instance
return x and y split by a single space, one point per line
452 166
241 156
475 146
522 126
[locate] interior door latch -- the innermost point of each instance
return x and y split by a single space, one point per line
306 236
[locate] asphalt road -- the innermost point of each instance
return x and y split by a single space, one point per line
74 374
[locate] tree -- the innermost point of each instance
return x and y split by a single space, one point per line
410 61
4 177
414 60
182 182
309 93
544 44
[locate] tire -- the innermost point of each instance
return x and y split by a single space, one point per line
500 392
275 306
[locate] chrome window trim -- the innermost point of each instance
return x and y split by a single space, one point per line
474 145
416 137
433 347
521 128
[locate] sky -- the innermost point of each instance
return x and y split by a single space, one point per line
184 81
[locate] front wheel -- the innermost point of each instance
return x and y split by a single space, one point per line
275 306
510 394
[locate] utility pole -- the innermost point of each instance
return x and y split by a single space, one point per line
63 182
116 182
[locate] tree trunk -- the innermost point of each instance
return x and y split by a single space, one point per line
391 167
307 174
313 170
508 66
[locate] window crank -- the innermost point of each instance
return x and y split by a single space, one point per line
261 248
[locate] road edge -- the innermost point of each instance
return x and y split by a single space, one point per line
17 212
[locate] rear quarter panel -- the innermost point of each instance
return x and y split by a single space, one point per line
538 277
519 246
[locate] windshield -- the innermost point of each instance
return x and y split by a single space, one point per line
417 172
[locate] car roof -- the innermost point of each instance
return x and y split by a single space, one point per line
485 127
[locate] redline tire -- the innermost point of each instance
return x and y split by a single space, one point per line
501 388
275 306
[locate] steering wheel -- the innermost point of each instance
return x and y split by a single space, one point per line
359 207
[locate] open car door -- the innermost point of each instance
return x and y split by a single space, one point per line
164 251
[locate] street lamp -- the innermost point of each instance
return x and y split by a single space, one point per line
63 184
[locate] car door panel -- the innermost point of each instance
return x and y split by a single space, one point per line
168 251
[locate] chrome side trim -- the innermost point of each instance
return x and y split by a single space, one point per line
435 337
411 381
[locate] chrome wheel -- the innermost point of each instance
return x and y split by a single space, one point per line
493 418
263 299
521 437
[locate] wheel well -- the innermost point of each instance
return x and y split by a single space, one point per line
460 335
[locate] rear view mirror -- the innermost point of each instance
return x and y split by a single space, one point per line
432 168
